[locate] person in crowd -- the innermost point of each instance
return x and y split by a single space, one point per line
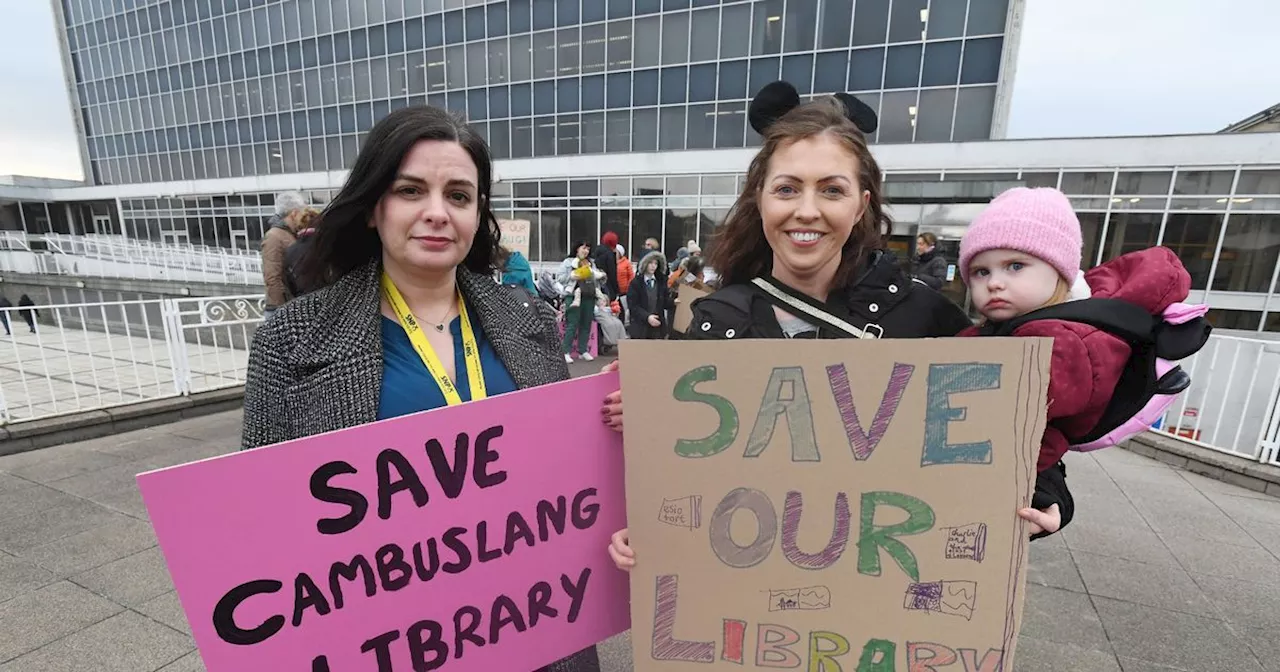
579 313
1021 254
303 221
279 236
647 300
5 305
626 273
694 270
652 245
612 328
515 270
407 306
581 281
29 312
676 268
929 266
801 255
605 258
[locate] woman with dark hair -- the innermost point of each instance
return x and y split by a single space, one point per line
801 255
582 282
408 316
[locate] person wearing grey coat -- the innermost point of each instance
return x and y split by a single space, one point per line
413 217
318 364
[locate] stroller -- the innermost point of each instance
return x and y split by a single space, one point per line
550 289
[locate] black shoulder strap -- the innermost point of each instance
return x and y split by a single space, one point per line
807 309
1120 318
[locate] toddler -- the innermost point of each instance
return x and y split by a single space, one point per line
1022 254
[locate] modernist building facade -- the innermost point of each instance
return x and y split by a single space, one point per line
622 115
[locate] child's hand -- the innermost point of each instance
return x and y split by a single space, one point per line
620 550
612 408
1042 520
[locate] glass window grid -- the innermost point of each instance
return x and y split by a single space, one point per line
627 202
224 109
717 193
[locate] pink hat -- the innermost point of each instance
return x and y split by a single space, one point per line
1039 222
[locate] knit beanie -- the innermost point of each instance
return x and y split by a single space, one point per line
1039 222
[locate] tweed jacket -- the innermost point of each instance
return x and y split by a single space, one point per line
316 366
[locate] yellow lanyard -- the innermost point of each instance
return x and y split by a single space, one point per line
470 351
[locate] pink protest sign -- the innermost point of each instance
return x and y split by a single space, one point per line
593 341
459 539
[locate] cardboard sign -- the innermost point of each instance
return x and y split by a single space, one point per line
515 235
684 307
466 538
830 505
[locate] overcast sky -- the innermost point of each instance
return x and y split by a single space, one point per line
1085 68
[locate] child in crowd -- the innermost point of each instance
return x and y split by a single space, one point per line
1022 254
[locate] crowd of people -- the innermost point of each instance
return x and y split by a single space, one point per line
592 288
399 311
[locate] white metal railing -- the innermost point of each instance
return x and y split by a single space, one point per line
1231 405
71 358
101 255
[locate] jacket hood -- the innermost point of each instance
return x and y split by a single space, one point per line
1153 278
652 256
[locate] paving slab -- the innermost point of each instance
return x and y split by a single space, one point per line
1053 567
121 537
188 663
1161 570
48 614
1154 585
1038 655
166 609
1063 617
1265 645
131 580
1174 639
126 642
18 535
19 576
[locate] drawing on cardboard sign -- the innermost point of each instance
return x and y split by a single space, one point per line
682 512
954 598
810 598
967 542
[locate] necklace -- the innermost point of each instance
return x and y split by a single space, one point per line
439 326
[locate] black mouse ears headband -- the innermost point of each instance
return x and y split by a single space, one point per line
779 98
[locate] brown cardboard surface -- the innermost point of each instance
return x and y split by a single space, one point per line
684 308
515 235
810 525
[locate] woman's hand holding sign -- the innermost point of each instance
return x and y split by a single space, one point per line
612 409
620 550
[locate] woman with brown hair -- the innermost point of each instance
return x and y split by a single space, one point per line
801 255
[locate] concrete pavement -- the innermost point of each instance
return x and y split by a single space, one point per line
1162 570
